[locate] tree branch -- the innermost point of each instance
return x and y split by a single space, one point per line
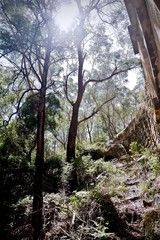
6 122
61 141
66 86
115 72
93 6
95 111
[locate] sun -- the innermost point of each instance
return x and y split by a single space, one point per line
66 16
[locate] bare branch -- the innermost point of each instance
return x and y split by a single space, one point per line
108 3
12 62
61 141
93 6
6 122
99 12
95 111
25 72
115 72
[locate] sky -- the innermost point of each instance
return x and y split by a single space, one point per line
132 79
66 16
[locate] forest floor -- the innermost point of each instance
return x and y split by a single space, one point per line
117 199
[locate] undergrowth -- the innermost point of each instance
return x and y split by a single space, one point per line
74 215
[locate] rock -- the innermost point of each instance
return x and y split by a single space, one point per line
115 151
94 153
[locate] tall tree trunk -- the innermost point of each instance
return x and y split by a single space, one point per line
71 146
37 216
72 134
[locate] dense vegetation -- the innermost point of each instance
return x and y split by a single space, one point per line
64 96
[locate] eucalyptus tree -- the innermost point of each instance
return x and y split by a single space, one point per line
118 113
116 116
29 45
92 59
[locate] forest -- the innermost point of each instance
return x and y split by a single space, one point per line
65 94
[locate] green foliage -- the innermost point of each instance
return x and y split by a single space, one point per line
79 199
13 146
149 158
96 228
135 149
23 39
17 16
7 97
28 113
144 188
84 167
153 161
22 210
101 175
66 175
53 112
111 181
53 169
78 216
148 165
16 177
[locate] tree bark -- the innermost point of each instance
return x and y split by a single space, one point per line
37 216
72 134
89 132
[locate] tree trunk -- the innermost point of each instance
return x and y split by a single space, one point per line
72 134
37 216
89 133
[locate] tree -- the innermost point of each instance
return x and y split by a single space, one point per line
29 43
16 175
27 119
90 47
35 53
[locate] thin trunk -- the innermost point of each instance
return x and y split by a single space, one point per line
89 133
